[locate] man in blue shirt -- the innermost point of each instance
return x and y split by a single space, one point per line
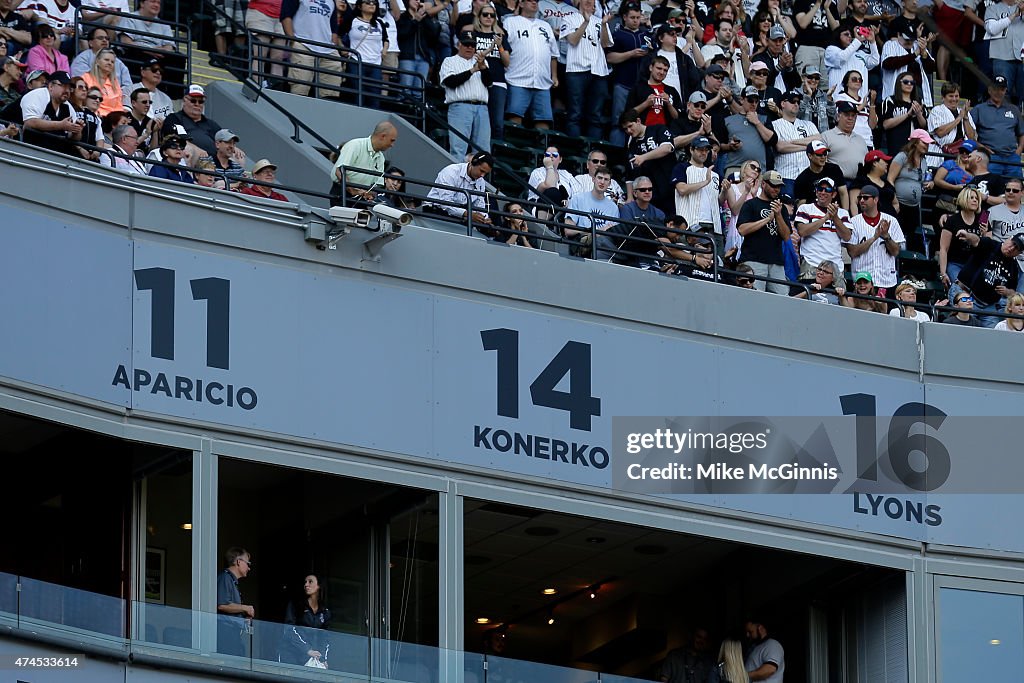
232 614
635 243
1000 129
630 44
598 207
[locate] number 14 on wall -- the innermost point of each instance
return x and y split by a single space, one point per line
572 360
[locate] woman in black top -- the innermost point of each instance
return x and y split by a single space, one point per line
954 252
902 113
307 620
875 170
491 38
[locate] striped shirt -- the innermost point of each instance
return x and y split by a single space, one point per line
472 90
824 243
588 54
792 164
533 46
449 181
876 260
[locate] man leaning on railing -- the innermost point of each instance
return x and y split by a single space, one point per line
447 198
352 184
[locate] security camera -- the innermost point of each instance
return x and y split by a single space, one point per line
396 217
360 218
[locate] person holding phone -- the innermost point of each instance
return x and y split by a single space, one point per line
846 55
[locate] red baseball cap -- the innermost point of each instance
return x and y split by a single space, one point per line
875 155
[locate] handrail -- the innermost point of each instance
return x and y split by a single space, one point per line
663 259
182 35
296 122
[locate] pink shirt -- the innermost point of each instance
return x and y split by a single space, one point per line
38 58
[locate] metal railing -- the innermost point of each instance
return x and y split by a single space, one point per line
176 64
623 248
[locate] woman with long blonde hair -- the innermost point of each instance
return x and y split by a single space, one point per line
103 76
730 667
746 187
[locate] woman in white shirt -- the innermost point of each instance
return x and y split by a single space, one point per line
906 294
867 115
367 36
1014 306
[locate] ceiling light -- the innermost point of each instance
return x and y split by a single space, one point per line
995 641
483 620
551 619
549 591
187 526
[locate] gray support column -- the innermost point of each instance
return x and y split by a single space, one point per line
205 560
451 636
921 624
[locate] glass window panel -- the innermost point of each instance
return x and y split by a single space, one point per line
980 633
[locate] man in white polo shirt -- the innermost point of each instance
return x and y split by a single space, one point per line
466 78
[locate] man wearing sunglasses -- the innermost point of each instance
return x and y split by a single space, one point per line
199 127
548 175
151 76
1007 219
818 167
749 136
906 50
823 226
597 161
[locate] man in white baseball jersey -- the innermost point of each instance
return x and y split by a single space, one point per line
586 69
875 241
532 71
823 226
906 50
793 134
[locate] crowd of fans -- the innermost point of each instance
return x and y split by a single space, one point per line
87 102
803 138
797 138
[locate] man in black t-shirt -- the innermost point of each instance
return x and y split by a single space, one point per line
815 21
49 120
990 273
652 154
820 167
990 185
762 223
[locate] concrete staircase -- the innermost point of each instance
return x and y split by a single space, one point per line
203 73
